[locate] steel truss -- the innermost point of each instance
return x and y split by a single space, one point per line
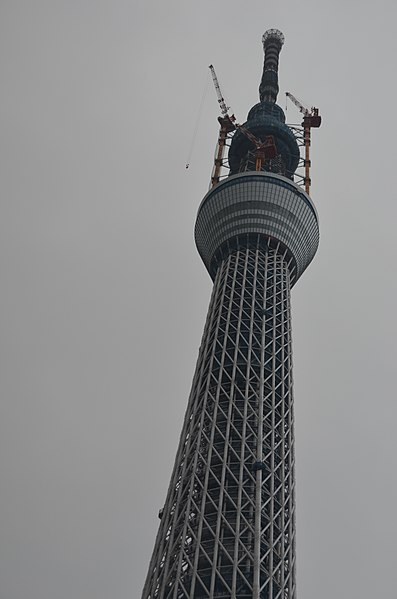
221 160
227 528
298 131
247 165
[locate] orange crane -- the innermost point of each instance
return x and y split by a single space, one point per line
227 126
311 118
264 150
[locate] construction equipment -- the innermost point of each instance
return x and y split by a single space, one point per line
224 109
227 124
311 118
264 150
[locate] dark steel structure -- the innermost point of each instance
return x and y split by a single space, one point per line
227 529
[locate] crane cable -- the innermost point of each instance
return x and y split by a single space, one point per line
200 111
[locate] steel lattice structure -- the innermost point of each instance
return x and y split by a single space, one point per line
227 528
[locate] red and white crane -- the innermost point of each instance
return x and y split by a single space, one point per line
311 118
227 124
263 149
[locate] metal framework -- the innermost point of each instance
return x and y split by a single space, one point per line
300 175
221 164
229 513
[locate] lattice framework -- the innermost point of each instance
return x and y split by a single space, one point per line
227 527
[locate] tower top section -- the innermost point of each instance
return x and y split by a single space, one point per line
273 41
274 35
266 121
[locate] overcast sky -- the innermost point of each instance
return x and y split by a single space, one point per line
103 295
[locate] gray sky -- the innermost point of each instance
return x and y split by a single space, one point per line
103 295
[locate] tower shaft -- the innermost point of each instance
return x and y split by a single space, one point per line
227 528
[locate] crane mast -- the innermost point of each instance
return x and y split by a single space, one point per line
226 126
311 118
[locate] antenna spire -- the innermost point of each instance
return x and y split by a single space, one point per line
273 41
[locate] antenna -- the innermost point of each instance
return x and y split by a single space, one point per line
273 41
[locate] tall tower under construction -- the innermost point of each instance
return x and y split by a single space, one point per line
227 528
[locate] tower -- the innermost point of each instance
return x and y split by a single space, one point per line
227 529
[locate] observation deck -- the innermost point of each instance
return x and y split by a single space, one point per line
257 206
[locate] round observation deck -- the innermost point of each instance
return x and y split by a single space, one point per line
257 206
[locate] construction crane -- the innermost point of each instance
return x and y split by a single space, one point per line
227 124
264 150
311 118
224 109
